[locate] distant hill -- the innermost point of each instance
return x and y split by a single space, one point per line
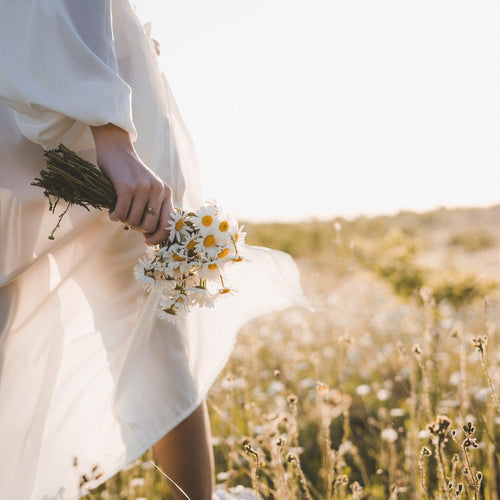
454 252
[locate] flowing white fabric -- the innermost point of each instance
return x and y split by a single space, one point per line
87 369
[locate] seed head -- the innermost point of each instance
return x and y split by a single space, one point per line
417 350
425 452
469 429
479 343
321 389
470 442
440 426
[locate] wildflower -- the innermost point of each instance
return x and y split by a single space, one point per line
178 226
210 270
397 412
363 390
201 296
223 253
207 245
205 217
223 476
144 273
390 435
383 394
237 234
137 481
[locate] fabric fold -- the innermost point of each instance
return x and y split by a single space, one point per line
50 84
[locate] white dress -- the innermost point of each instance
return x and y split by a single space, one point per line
87 370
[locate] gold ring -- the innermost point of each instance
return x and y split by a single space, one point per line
152 211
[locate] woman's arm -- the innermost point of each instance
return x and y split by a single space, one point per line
138 188
60 73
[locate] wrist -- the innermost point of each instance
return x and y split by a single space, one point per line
110 137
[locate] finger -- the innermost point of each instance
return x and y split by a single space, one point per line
137 208
122 207
151 216
151 219
161 233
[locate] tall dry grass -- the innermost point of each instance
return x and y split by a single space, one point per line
389 390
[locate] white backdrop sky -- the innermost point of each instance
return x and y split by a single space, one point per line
318 108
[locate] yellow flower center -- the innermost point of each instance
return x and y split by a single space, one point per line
179 225
209 240
237 259
207 220
223 253
212 266
225 290
178 258
236 236
191 245
224 226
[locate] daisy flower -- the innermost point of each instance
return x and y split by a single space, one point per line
201 296
190 246
224 252
175 258
208 245
237 236
172 314
205 217
177 226
210 271
144 273
226 224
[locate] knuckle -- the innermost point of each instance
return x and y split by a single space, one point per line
143 186
124 187
167 190
157 188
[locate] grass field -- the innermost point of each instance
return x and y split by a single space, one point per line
387 391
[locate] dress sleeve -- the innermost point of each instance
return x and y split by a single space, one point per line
58 69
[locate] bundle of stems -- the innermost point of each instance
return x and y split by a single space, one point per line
77 181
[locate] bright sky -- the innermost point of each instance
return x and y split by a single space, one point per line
302 108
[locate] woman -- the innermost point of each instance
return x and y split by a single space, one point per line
90 378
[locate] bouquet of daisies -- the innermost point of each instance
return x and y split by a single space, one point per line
186 270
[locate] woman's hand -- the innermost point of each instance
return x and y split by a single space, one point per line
144 201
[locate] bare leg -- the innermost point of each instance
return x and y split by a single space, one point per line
185 454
